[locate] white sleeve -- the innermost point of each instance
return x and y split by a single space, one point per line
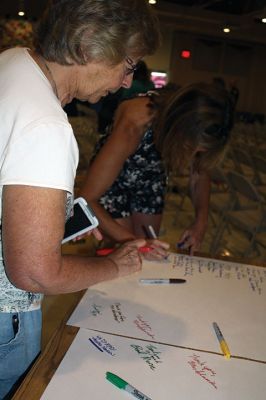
45 155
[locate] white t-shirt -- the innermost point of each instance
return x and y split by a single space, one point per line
37 145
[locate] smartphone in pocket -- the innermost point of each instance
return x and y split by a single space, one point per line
82 220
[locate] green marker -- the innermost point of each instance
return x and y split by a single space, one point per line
121 384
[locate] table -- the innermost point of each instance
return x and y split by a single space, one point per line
41 373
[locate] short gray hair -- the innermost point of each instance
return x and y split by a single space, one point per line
96 30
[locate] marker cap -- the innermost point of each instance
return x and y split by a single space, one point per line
116 380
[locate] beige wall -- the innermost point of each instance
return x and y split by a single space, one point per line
252 86
162 59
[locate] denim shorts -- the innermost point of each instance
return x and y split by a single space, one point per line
20 343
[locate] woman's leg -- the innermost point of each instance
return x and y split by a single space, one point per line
126 222
138 223
141 224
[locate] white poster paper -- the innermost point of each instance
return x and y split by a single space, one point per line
160 372
233 295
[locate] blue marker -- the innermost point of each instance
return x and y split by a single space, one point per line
180 244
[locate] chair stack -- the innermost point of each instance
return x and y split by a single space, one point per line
240 204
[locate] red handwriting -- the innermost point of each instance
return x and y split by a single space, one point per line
144 326
202 370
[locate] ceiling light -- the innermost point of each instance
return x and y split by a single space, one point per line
226 253
21 8
152 1
263 20
226 29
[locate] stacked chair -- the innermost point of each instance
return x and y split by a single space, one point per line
240 204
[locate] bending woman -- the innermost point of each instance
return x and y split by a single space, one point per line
127 178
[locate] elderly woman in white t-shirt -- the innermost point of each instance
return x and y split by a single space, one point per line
84 49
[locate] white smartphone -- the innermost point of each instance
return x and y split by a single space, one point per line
82 220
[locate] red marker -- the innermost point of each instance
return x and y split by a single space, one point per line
106 251
145 249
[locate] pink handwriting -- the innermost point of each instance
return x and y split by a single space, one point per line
202 370
143 326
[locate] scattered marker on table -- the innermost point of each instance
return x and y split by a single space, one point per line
162 281
223 344
121 384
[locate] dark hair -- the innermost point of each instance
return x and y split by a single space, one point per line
96 30
218 81
198 116
142 73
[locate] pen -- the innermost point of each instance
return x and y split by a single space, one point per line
223 344
180 244
152 232
161 281
121 384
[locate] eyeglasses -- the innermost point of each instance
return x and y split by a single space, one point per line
133 67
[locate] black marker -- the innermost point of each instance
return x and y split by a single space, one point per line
160 281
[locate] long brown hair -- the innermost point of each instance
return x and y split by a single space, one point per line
198 116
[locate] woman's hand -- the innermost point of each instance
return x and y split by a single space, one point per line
158 250
193 237
134 114
127 257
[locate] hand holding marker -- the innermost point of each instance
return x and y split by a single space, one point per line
143 249
106 251
179 245
154 236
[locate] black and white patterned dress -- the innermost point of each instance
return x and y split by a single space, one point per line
141 184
